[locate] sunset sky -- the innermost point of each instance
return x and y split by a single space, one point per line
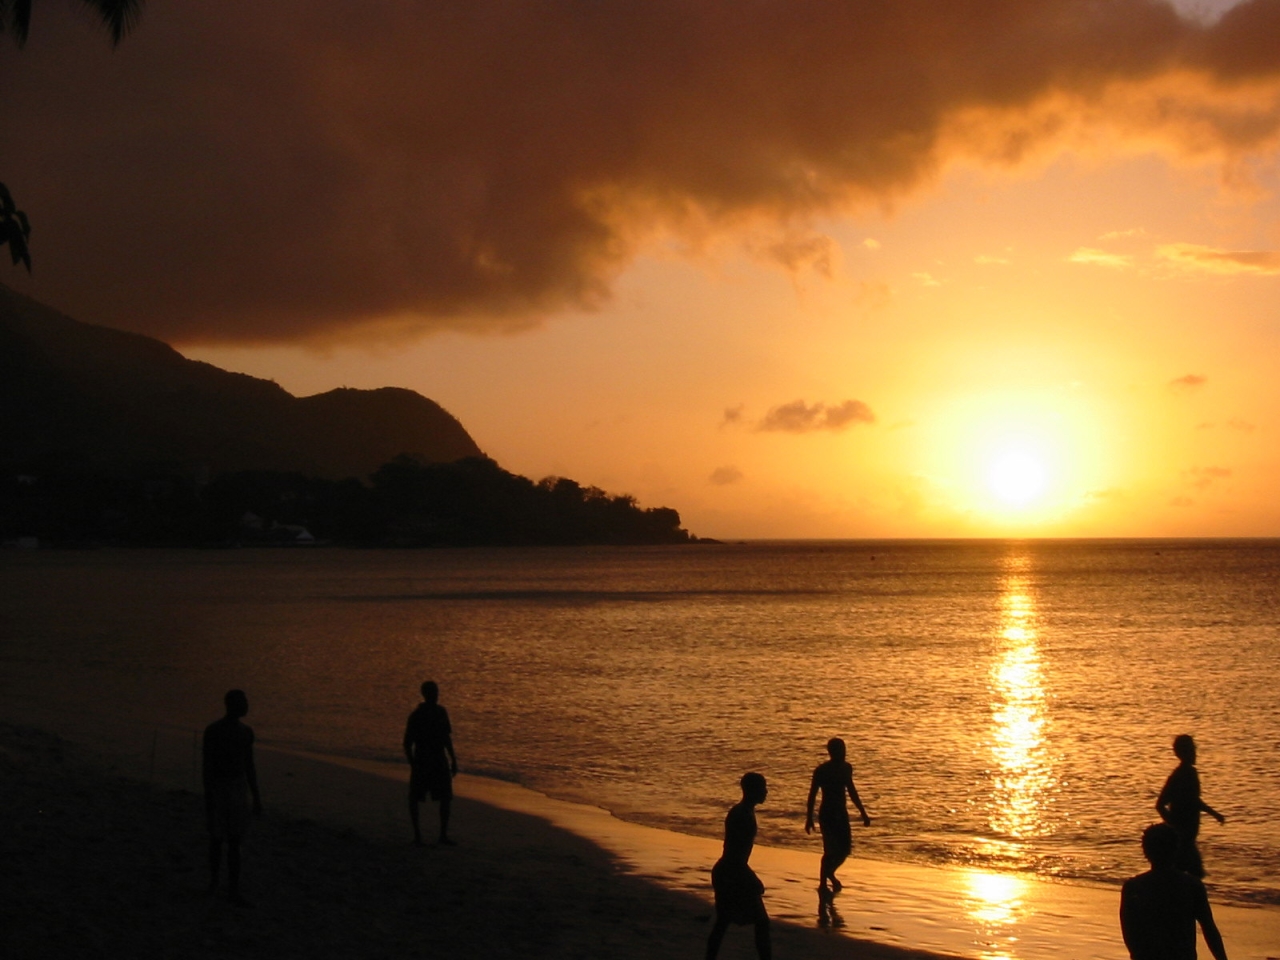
797 268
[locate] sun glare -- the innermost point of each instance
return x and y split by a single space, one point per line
1017 479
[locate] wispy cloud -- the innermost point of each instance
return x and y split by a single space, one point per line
1092 256
733 415
983 259
1201 478
1193 258
926 279
799 417
1131 234
1190 381
723 476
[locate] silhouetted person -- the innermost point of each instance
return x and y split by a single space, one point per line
1180 805
428 744
739 892
230 785
835 779
1159 909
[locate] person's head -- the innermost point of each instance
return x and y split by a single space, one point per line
754 788
836 747
237 703
1160 845
431 691
1184 748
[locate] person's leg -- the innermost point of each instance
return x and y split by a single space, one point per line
446 805
215 863
717 934
764 947
413 818
233 869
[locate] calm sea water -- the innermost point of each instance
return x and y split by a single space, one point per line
1006 704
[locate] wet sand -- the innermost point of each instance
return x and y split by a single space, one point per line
101 864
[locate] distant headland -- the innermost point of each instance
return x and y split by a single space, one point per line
109 437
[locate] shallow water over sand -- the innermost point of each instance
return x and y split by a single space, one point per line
1008 705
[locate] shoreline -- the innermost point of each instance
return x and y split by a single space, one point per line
939 910
905 909
99 864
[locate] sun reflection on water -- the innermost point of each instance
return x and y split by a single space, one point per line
1022 776
994 901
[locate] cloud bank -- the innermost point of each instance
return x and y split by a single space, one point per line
241 171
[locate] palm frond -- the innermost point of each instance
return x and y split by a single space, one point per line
119 16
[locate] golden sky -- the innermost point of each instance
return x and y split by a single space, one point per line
820 268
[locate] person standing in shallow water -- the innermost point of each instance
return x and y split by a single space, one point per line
835 779
738 891
428 745
1180 805
1159 909
230 786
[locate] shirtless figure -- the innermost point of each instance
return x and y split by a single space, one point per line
835 779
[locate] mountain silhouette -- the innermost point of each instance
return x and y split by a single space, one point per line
74 396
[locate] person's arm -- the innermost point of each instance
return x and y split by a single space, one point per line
408 740
1162 801
453 757
251 772
857 801
1212 812
813 793
1204 913
1127 930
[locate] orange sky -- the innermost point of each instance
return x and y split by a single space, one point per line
932 247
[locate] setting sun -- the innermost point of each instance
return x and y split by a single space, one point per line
1017 479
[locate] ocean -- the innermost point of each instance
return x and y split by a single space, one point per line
1008 705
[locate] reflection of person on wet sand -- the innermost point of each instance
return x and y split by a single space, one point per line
835 779
428 744
230 780
739 892
1159 909
1180 805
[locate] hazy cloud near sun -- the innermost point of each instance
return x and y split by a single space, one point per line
1193 258
1190 381
723 476
248 171
799 417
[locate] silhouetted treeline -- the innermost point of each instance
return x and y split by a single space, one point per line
407 503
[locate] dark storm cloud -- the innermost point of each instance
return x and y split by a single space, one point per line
272 171
799 417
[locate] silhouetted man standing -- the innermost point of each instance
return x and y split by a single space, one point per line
739 892
230 781
835 779
1159 909
428 744
1180 805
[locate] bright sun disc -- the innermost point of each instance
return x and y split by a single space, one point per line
1017 479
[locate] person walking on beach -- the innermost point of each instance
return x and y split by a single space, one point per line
428 745
835 779
738 891
1180 805
230 785
1159 909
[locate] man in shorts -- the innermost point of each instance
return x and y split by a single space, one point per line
428 745
835 779
1180 806
1159 909
739 892
230 787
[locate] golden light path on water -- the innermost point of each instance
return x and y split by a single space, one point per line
1022 776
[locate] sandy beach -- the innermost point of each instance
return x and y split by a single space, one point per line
101 864
98 865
